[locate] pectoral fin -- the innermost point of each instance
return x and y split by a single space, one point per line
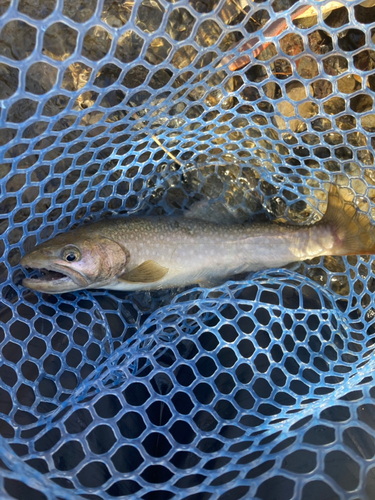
147 272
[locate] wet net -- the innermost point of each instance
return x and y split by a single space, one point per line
260 388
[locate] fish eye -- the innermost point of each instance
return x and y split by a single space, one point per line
71 254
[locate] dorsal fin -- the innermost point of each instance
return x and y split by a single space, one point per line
217 212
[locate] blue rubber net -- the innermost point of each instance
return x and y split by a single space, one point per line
260 388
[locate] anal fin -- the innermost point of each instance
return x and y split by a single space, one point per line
147 272
211 282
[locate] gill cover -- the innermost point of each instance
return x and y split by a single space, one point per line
102 259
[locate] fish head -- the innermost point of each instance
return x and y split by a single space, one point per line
74 261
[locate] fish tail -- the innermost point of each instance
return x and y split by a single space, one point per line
353 231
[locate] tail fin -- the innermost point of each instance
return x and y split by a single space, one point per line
354 232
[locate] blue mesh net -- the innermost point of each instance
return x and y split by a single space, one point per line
260 388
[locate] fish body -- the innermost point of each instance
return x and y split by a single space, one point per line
196 251
145 253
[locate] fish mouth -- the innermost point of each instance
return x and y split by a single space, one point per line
49 280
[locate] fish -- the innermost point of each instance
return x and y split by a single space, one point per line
134 253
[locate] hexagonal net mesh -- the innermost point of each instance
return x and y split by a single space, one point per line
256 389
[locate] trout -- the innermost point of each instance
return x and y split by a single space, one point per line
147 253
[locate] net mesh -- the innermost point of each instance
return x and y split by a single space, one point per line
261 388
